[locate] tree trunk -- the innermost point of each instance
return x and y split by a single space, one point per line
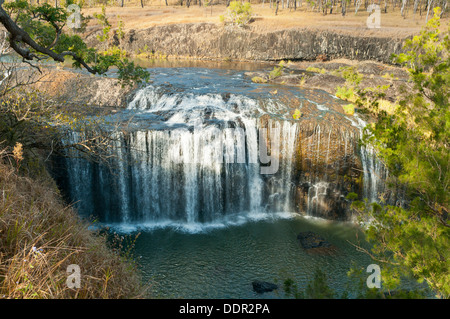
429 5
276 9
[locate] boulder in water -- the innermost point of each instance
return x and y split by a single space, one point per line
311 240
263 286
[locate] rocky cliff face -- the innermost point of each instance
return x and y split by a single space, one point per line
207 40
76 88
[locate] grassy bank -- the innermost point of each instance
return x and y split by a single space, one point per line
155 13
40 236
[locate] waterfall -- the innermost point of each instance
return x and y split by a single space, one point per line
195 158
375 173
199 164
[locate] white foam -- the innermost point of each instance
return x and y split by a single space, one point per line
198 228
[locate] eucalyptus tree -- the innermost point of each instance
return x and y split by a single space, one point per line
39 32
412 139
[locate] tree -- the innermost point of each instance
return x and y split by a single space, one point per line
413 141
238 13
317 288
33 119
36 32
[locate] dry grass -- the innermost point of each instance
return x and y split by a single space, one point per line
40 236
156 13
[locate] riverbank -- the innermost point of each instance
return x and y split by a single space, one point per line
301 34
215 42
44 241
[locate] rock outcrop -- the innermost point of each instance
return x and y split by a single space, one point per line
77 88
212 41
314 243
263 286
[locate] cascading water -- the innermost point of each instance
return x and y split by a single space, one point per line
193 157
200 164
375 173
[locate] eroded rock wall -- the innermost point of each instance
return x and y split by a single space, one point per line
211 41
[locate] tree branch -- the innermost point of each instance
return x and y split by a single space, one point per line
18 35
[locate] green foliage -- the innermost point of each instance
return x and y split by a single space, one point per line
364 98
238 13
352 196
290 289
318 288
316 70
44 24
277 71
120 32
358 288
349 109
103 20
351 75
130 73
297 114
258 79
345 93
413 141
42 33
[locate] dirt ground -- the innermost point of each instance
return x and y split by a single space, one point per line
157 13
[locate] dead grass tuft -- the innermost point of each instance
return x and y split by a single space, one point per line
40 236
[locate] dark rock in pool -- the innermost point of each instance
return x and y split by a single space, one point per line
310 240
263 286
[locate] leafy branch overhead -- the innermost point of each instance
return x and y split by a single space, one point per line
37 32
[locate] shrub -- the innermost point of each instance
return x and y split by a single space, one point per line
277 71
237 13
316 70
258 79
349 109
297 114
345 93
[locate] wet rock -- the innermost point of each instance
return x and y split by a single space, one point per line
263 286
226 96
311 240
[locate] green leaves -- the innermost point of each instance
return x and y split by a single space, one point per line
413 141
238 13
44 24
129 73
103 20
277 71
